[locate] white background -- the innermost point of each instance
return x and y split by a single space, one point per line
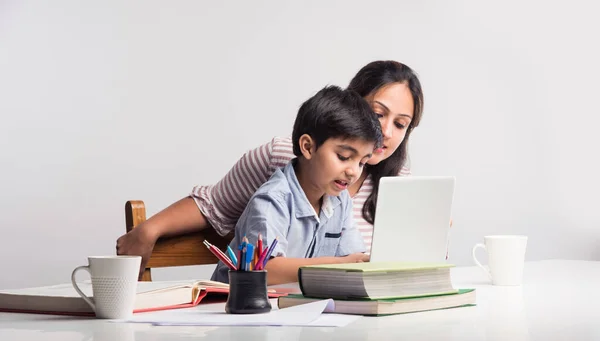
106 101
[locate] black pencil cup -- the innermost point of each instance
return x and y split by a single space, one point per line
247 293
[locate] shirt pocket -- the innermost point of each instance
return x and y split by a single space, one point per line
331 241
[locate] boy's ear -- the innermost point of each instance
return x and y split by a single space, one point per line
307 145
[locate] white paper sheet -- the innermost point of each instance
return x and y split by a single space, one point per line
310 314
333 320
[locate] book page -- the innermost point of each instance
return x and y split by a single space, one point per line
59 290
67 290
379 266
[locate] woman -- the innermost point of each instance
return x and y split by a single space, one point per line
394 92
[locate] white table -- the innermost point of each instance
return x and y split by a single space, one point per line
559 300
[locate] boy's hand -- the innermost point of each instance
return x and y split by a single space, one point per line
138 242
356 258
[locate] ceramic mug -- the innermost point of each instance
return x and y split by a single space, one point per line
114 284
506 257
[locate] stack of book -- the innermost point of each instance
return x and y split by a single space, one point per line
380 288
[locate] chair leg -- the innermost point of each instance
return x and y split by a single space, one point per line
147 276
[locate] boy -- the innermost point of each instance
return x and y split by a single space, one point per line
305 205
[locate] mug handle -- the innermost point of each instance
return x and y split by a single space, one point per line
87 299
479 245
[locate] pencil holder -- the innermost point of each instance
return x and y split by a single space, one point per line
247 293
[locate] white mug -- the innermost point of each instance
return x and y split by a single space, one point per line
114 284
506 257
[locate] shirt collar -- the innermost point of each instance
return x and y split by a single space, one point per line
303 206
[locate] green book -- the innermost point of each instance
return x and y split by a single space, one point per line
462 298
375 280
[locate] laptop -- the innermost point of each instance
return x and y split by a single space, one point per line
412 219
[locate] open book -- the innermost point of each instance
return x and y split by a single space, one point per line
151 296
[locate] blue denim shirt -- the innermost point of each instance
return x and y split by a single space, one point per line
279 208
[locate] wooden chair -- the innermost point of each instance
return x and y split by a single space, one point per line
175 251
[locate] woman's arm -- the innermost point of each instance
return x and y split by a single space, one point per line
181 217
285 270
219 207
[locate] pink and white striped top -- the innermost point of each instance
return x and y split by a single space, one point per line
223 203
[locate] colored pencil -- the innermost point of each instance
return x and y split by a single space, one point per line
232 256
271 248
261 259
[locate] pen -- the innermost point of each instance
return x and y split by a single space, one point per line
219 251
220 255
249 256
243 259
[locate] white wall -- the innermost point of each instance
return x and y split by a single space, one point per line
114 100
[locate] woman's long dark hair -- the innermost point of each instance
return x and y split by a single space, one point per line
369 80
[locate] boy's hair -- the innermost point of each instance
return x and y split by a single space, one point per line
336 113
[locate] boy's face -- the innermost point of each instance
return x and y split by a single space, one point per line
337 164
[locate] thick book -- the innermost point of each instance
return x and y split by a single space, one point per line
62 299
375 280
464 297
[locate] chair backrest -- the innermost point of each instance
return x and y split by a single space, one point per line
175 251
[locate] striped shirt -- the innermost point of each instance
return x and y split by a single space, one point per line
223 203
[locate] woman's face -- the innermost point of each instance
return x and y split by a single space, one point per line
394 106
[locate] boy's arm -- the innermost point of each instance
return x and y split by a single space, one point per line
269 215
285 270
350 250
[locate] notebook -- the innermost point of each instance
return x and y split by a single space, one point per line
375 280
412 219
62 299
464 297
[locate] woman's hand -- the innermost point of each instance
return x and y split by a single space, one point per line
138 242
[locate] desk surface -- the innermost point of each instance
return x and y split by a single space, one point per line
559 300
